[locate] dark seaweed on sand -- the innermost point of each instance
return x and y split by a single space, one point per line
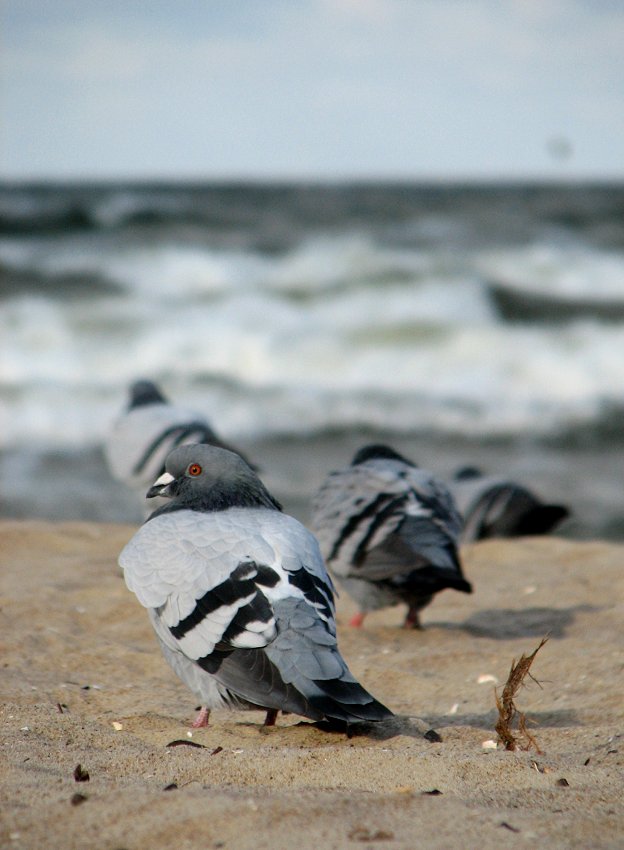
507 709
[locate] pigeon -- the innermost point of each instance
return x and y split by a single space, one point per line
239 597
142 437
389 533
500 507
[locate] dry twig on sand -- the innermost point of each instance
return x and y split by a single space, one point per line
507 708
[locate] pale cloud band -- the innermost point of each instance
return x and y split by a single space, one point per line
320 88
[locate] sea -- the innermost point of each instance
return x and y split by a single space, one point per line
477 324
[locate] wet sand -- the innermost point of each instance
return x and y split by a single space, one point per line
77 485
83 682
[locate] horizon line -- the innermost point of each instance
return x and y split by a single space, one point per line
313 180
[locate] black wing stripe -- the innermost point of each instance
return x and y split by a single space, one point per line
180 433
315 591
258 610
211 663
239 584
354 521
361 550
266 576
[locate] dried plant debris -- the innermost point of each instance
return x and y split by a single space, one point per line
181 742
507 709
80 774
77 799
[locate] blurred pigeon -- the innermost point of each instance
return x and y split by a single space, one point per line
499 507
145 433
389 532
239 597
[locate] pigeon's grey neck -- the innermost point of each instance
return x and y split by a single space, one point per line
220 497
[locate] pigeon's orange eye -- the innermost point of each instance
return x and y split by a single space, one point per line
194 469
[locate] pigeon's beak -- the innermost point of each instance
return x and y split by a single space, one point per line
160 487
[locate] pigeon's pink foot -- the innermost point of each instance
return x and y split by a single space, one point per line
412 621
271 717
357 620
202 718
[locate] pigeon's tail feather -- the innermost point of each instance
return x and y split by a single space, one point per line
509 510
348 702
459 583
430 580
307 657
250 676
541 519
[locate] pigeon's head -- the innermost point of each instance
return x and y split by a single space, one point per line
143 393
468 473
202 477
377 451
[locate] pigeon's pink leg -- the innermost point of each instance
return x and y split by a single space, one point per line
202 718
271 717
357 620
412 620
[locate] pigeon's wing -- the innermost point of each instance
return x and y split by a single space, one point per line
141 439
416 543
214 577
435 500
375 521
499 508
206 588
301 669
353 510
245 595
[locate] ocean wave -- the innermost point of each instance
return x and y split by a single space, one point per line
48 414
271 214
170 269
268 365
298 310
570 272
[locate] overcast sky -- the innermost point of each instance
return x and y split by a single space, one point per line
312 88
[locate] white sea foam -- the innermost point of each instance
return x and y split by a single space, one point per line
381 357
337 328
570 272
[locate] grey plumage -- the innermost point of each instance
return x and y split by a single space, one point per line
388 532
238 594
147 430
494 506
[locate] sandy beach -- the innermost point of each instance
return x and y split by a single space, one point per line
83 683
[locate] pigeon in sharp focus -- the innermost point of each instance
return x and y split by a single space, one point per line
389 533
498 507
238 595
145 433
